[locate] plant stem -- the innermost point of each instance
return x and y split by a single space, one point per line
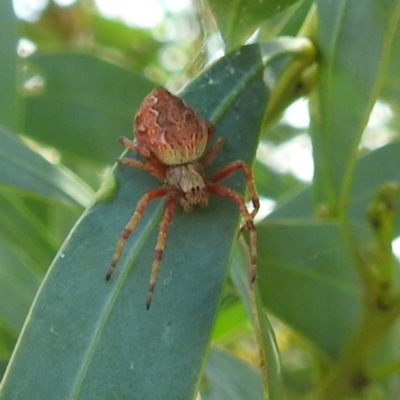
348 376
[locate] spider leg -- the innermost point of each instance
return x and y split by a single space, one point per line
232 167
144 152
162 236
238 198
212 151
133 146
141 205
147 166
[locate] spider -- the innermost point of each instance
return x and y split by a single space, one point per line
173 139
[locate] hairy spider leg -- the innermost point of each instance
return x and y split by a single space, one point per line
147 166
238 198
232 167
152 164
141 205
162 236
212 151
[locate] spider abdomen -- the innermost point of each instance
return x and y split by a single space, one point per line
170 129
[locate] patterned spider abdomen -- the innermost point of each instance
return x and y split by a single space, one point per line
174 132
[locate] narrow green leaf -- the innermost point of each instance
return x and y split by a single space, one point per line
24 170
18 286
228 377
381 165
306 278
286 23
9 103
238 19
8 338
23 231
85 104
391 88
3 366
269 352
98 335
116 34
354 39
232 322
272 184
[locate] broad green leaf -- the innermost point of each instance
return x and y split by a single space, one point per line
237 20
24 170
85 104
354 39
98 335
228 377
307 278
9 102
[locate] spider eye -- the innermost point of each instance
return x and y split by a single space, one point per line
195 189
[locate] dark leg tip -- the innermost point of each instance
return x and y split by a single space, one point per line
252 277
149 297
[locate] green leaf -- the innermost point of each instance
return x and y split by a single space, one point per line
228 377
98 335
391 88
286 23
3 366
18 286
24 170
237 20
116 35
307 278
269 352
350 76
381 165
23 231
231 323
272 184
9 101
86 103
8 338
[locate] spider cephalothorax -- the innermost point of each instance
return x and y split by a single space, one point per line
173 138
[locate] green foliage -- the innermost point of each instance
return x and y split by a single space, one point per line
326 268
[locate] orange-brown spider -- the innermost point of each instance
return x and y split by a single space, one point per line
173 139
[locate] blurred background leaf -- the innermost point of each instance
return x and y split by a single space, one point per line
9 99
234 27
